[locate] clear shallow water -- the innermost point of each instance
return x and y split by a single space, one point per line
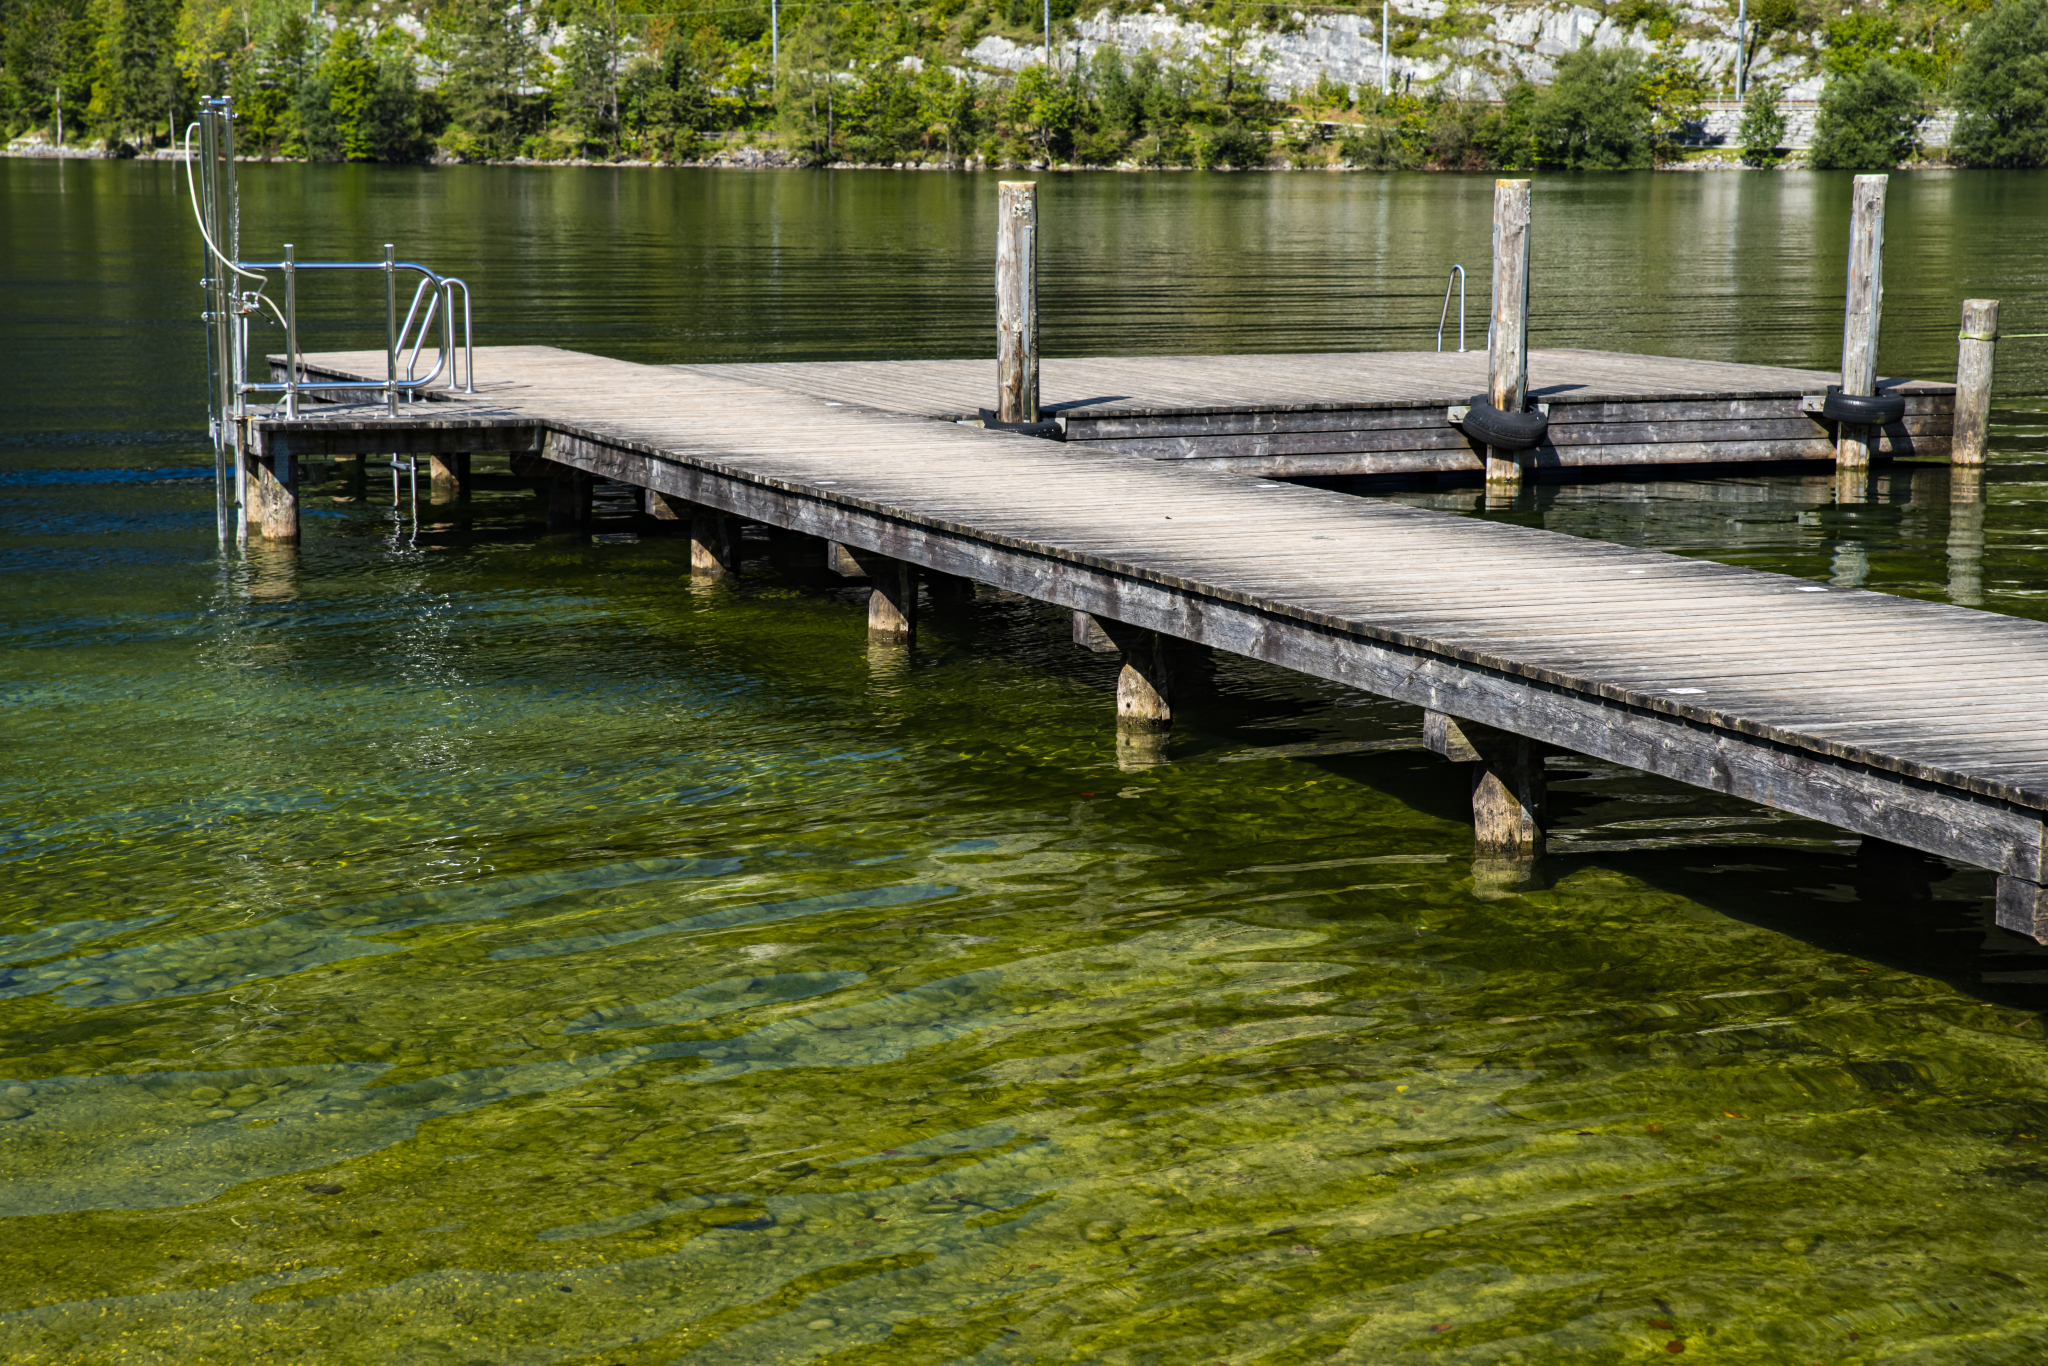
459 944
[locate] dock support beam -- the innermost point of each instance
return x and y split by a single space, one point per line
892 607
1507 335
1507 784
1976 345
1017 301
1863 312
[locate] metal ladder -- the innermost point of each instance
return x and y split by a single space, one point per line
231 304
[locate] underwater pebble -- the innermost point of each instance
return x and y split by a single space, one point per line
325 1188
1100 1233
202 1094
820 1325
19 1091
220 1114
12 1111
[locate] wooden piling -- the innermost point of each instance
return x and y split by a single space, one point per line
275 491
568 497
1507 335
1017 301
1975 346
1507 784
714 542
1862 313
892 607
1144 686
450 476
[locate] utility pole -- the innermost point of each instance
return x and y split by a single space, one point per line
1048 37
1741 42
60 118
774 46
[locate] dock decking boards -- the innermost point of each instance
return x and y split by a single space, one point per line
1911 721
1351 413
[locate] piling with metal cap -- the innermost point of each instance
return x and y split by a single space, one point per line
1507 336
1017 301
1862 313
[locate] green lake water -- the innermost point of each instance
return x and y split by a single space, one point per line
446 942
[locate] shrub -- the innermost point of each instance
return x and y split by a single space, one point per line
1594 116
1869 119
1763 127
2001 89
1234 145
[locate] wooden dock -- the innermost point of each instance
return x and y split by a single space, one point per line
1910 722
1351 413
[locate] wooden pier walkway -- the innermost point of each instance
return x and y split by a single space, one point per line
1910 722
1350 413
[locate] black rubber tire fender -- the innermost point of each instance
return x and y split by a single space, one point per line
1505 431
1863 410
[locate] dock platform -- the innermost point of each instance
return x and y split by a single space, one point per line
1909 722
1353 413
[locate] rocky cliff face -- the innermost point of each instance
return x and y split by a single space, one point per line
1478 55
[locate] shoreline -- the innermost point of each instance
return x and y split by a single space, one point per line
775 159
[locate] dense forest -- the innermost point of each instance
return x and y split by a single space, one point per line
830 81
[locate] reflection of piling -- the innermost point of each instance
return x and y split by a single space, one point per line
1862 313
1975 346
1966 536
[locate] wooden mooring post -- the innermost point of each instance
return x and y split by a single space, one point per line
1975 348
1507 334
1017 301
1862 313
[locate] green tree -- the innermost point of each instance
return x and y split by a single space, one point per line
136 81
880 116
1595 116
587 72
1045 111
47 48
2001 89
1763 128
1677 94
945 110
669 100
334 95
1868 120
490 61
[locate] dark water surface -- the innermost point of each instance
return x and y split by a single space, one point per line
449 943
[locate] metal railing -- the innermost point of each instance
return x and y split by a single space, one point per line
1457 276
403 342
231 304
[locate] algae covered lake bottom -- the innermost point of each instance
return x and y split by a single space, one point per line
444 942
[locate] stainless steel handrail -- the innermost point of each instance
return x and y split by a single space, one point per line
454 358
1458 275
